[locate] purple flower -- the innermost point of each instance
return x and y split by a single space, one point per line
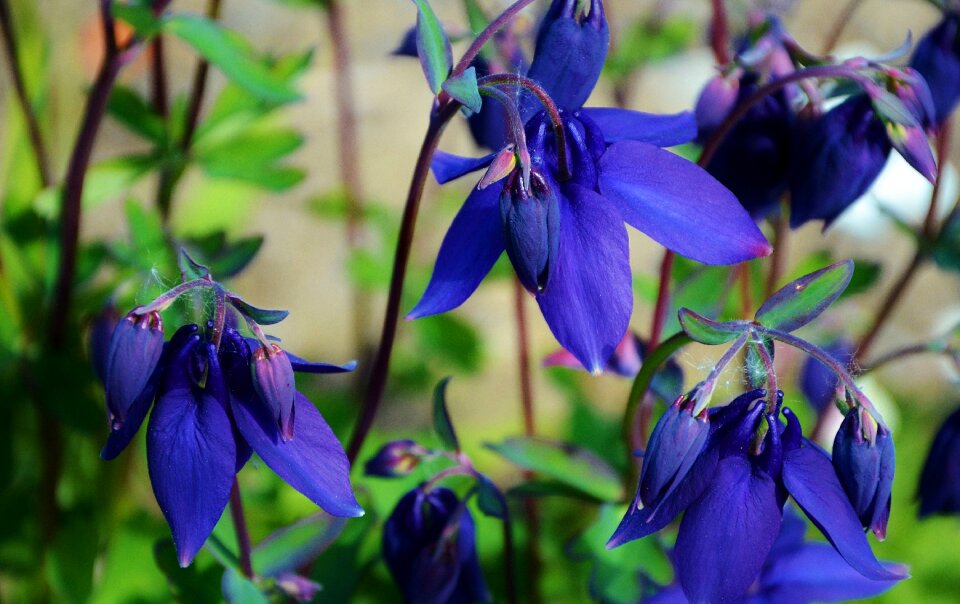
208 419
864 458
429 545
135 349
818 382
394 459
733 497
939 488
798 572
937 58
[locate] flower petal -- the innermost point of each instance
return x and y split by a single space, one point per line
447 166
588 300
191 456
815 572
313 462
660 130
118 439
468 252
810 478
679 204
726 535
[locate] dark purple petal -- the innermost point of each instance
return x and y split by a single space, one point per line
939 488
660 130
726 535
191 456
135 350
468 252
274 381
937 59
313 462
531 228
679 204
588 301
912 143
118 439
447 166
815 572
810 478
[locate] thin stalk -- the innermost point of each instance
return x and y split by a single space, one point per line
746 299
943 151
839 25
496 25
381 363
778 257
772 385
719 36
29 114
523 358
240 526
935 347
663 299
158 71
509 572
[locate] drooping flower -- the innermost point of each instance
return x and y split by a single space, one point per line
939 488
429 545
797 571
937 58
733 495
209 417
612 170
864 458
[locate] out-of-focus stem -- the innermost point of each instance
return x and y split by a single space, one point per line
158 70
240 527
778 258
830 42
719 36
496 25
663 300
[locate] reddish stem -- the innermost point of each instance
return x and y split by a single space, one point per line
240 526
719 36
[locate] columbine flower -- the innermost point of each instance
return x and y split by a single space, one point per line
613 171
213 408
429 545
864 458
798 572
937 58
939 488
733 495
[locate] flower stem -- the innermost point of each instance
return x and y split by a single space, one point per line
29 114
719 36
381 363
158 71
496 25
240 526
839 25
523 358
509 573
778 257
657 357
663 299
935 347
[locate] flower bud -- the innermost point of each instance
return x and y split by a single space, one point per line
396 458
837 157
135 349
571 48
429 546
716 101
531 224
274 381
676 442
937 59
299 588
864 459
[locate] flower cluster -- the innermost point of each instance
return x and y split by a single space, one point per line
217 398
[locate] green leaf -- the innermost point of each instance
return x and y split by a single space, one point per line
136 115
251 156
70 559
138 15
186 584
571 465
620 575
190 269
451 341
647 41
261 315
230 53
708 331
225 259
238 589
866 274
489 498
946 250
293 546
441 419
105 180
433 47
801 301
464 89
476 18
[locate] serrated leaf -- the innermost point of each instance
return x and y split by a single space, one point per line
708 331
441 419
464 89
130 109
261 315
433 46
190 269
573 466
489 498
230 53
291 547
801 301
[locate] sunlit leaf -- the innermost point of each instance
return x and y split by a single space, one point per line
801 301
433 47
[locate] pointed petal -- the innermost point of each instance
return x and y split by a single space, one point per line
588 300
313 462
679 204
468 252
118 439
810 478
447 166
191 456
660 130
815 572
726 535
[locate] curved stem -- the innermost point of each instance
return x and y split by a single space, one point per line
381 363
706 387
839 25
657 357
240 526
935 347
887 306
517 133
167 298
663 299
478 43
